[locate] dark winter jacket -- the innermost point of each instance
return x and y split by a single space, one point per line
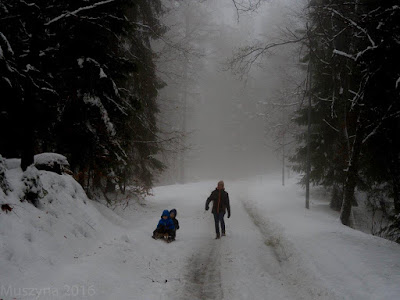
220 200
175 220
168 223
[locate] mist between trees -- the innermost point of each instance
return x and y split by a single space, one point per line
131 90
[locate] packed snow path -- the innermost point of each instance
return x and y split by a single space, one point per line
274 249
248 263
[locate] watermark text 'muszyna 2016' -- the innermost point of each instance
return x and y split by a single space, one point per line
72 291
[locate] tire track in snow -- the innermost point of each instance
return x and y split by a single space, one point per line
273 239
295 275
204 274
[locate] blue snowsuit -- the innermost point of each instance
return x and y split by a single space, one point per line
165 226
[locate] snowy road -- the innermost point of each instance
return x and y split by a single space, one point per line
274 249
249 263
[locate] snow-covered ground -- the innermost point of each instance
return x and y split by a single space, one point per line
75 248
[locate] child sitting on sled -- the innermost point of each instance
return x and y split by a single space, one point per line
172 215
165 227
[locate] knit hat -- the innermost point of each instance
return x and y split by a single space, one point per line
173 211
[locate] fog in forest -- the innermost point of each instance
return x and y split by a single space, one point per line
224 112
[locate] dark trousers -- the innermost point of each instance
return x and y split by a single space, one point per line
162 231
219 217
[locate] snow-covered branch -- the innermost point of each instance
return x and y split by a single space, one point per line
341 53
73 13
4 40
354 24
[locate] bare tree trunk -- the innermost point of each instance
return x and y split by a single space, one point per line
308 166
30 95
283 161
184 105
395 176
351 178
336 198
184 109
28 117
396 194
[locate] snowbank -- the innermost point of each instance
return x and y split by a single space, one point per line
36 244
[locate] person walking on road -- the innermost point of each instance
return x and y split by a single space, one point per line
220 199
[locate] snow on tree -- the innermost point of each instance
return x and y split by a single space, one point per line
78 78
353 117
355 108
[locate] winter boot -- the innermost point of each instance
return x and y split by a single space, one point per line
223 233
217 237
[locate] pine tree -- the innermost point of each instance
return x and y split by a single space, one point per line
84 73
355 98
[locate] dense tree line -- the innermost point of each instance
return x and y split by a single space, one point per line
355 88
78 78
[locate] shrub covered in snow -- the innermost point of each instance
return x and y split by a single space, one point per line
3 179
52 162
33 189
